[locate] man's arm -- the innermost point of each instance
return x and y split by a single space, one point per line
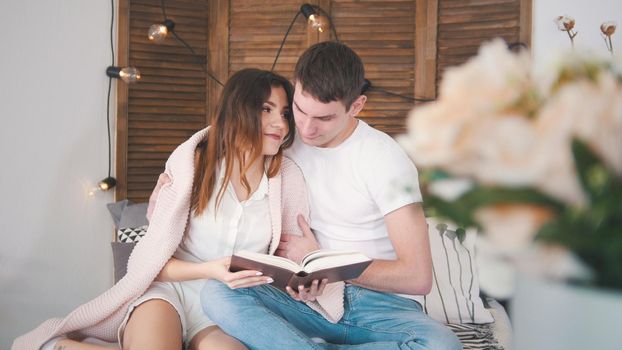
411 273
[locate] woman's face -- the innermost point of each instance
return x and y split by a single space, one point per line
274 121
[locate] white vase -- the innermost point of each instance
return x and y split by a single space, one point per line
551 315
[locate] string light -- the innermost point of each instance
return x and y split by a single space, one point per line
127 74
159 31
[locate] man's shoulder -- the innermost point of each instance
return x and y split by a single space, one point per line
377 141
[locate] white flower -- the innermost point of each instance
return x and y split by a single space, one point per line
608 28
564 23
450 189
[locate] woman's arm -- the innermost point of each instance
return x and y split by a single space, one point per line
176 270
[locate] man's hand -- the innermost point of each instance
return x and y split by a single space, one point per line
296 247
308 294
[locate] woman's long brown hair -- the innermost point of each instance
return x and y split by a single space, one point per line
236 134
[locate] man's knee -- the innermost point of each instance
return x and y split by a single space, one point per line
219 302
441 338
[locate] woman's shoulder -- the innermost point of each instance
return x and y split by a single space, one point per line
289 169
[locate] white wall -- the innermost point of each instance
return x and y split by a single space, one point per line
547 39
55 250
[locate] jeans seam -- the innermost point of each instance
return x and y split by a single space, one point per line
292 329
304 309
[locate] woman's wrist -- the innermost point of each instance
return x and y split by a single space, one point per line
207 269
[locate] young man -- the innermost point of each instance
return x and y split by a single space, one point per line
361 196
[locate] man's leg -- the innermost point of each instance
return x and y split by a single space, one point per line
243 314
386 321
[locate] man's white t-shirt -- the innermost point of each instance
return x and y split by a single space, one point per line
353 186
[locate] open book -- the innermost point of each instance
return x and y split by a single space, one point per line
334 265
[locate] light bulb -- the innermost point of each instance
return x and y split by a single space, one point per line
129 75
107 183
314 19
317 22
158 32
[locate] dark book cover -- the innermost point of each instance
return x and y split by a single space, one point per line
284 277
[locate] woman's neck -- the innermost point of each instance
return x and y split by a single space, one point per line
253 176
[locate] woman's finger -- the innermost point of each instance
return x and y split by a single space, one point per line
247 283
233 276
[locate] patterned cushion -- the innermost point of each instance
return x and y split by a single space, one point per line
454 298
131 235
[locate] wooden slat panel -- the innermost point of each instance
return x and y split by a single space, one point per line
170 103
383 34
464 25
257 29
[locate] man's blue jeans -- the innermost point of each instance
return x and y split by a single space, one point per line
266 318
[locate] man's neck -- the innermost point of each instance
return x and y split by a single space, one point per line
345 134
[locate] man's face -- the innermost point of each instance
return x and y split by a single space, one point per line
321 124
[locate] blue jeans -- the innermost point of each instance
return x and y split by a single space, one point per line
266 318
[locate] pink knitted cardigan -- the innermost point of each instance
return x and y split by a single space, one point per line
170 208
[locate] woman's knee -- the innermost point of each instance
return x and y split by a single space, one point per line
154 324
214 338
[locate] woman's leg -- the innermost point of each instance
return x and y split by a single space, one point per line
68 344
153 325
213 338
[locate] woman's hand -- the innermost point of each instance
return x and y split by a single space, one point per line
308 294
219 270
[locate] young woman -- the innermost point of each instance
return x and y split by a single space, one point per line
225 189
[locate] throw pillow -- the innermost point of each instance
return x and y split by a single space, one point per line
127 214
131 235
454 297
120 254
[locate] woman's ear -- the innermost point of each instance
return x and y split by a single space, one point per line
357 106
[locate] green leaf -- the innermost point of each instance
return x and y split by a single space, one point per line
593 175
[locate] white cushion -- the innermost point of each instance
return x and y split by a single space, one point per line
454 297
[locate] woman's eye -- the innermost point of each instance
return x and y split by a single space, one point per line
267 109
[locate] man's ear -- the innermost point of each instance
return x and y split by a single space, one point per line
357 106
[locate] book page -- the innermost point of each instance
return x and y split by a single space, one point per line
324 259
270 259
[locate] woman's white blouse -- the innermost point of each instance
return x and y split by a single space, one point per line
234 226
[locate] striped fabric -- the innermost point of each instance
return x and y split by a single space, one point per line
476 336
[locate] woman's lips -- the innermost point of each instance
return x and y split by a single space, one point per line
275 137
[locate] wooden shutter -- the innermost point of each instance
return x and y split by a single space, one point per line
383 34
257 29
169 103
174 98
464 25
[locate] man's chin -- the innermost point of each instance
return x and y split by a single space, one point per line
311 141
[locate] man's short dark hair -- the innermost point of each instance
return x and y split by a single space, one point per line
331 71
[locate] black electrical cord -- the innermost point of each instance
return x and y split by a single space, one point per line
185 44
289 29
373 88
109 89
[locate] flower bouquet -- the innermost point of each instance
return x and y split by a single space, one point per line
533 160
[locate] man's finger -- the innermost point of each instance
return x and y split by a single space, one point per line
302 292
292 293
283 245
304 226
322 286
